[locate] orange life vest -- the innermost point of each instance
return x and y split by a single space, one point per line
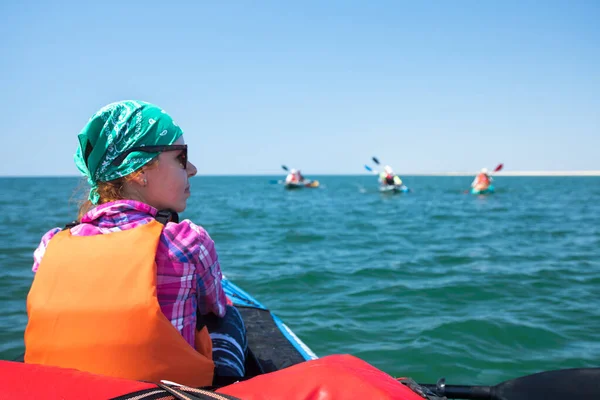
93 307
483 179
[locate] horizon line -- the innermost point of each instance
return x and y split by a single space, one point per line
452 173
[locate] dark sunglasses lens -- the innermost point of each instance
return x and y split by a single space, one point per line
183 157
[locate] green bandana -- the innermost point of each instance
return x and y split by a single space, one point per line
115 129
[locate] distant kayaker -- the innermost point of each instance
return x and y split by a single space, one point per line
482 181
295 176
127 290
388 178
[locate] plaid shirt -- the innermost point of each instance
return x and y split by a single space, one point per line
188 272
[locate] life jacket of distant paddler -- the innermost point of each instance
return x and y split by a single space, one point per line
483 179
93 307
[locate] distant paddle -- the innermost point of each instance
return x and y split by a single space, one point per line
376 161
284 168
370 169
576 383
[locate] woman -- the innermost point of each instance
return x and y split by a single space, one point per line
482 181
120 293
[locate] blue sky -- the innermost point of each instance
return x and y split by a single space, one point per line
319 85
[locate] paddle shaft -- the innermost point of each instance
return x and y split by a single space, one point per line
562 384
463 392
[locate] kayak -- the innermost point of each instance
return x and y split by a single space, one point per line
393 189
332 377
490 189
300 185
272 343
279 366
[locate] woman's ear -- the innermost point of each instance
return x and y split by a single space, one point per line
140 179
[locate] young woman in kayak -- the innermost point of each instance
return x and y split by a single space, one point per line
295 176
388 178
127 290
482 181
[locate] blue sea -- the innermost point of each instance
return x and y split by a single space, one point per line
433 283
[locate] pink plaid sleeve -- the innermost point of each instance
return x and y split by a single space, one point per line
188 243
38 254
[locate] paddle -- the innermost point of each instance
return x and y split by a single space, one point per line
370 169
278 181
376 161
575 383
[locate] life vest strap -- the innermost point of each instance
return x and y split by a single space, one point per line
70 225
163 216
178 392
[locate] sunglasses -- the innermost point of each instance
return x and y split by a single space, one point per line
183 157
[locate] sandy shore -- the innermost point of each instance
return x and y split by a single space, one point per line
520 173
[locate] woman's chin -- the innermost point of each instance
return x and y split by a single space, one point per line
181 206
179 209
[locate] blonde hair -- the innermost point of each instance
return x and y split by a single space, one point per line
112 190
